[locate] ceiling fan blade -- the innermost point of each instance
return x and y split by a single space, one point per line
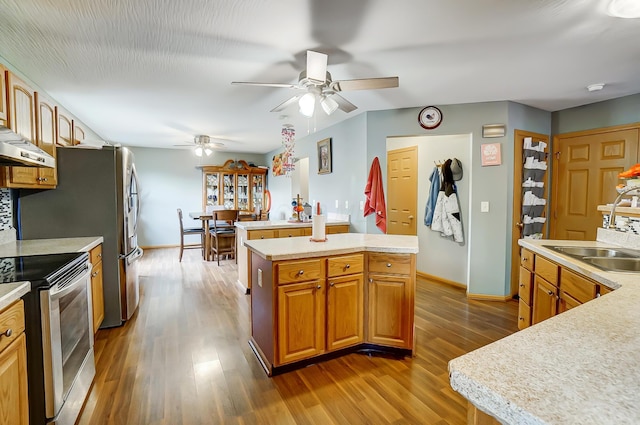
343 103
286 86
365 84
285 104
316 67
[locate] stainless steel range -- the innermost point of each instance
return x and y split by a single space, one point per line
60 360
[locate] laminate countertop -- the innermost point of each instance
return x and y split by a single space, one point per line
579 367
49 246
283 224
342 243
11 292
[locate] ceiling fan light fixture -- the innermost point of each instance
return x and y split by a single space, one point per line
307 104
625 9
208 151
198 151
329 105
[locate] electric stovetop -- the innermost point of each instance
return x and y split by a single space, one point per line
40 270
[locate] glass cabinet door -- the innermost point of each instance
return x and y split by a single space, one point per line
213 189
229 186
257 192
243 192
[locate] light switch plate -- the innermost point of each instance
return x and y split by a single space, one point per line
346 205
361 205
484 206
337 204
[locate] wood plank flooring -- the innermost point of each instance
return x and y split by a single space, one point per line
183 358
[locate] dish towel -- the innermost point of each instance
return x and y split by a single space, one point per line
375 196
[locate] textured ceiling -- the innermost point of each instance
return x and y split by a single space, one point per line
156 73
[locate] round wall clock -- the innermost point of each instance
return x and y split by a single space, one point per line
430 117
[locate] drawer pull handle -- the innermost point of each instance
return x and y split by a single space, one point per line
261 237
301 272
332 284
100 255
8 333
347 266
388 264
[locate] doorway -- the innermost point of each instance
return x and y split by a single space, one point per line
300 180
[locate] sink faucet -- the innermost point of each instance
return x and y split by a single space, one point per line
612 215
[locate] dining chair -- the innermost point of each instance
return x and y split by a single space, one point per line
185 231
223 233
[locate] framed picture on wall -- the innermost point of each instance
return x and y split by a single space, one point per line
324 156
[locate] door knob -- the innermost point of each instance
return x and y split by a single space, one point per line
410 217
520 225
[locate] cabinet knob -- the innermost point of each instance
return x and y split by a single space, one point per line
261 237
550 292
319 287
520 318
332 284
370 280
94 274
522 285
347 266
8 332
100 255
388 264
301 272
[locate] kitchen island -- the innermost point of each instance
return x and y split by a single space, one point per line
579 367
309 301
248 230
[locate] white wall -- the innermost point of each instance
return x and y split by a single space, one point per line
438 256
170 179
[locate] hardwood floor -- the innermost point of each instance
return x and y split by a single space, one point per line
183 358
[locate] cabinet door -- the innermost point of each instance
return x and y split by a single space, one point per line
390 310
289 233
3 96
524 283
257 192
301 329
242 192
566 302
524 315
345 314
545 300
97 294
65 127
22 120
78 133
13 383
228 188
46 136
262 234
211 189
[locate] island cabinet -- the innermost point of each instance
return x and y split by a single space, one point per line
304 310
547 288
14 398
97 289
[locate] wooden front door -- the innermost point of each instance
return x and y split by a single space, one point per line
518 173
402 191
585 171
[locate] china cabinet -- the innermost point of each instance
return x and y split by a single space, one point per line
234 185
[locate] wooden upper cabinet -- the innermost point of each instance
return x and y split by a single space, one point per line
46 136
22 107
65 128
3 96
78 133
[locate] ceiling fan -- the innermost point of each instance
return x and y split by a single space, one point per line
203 144
315 83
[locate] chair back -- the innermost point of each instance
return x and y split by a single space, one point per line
180 219
228 216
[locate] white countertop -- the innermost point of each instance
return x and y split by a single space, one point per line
49 246
282 224
579 367
11 292
343 243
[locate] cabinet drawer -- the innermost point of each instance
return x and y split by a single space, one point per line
524 285
289 233
579 287
331 230
604 290
300 271
95 255
389 263
524 315
345 264
261 234
526 259
11 318
547 270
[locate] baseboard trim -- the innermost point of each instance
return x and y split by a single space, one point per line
483 297
161 246
431 277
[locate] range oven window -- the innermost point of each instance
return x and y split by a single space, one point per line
74 334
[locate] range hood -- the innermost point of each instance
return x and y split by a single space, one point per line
16 150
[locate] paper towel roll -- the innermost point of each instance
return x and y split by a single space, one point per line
318 231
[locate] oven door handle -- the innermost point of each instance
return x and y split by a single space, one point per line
56 293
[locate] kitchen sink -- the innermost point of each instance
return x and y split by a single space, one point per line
615 264
582 251
608 259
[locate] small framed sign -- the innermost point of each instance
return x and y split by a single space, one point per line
491 154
